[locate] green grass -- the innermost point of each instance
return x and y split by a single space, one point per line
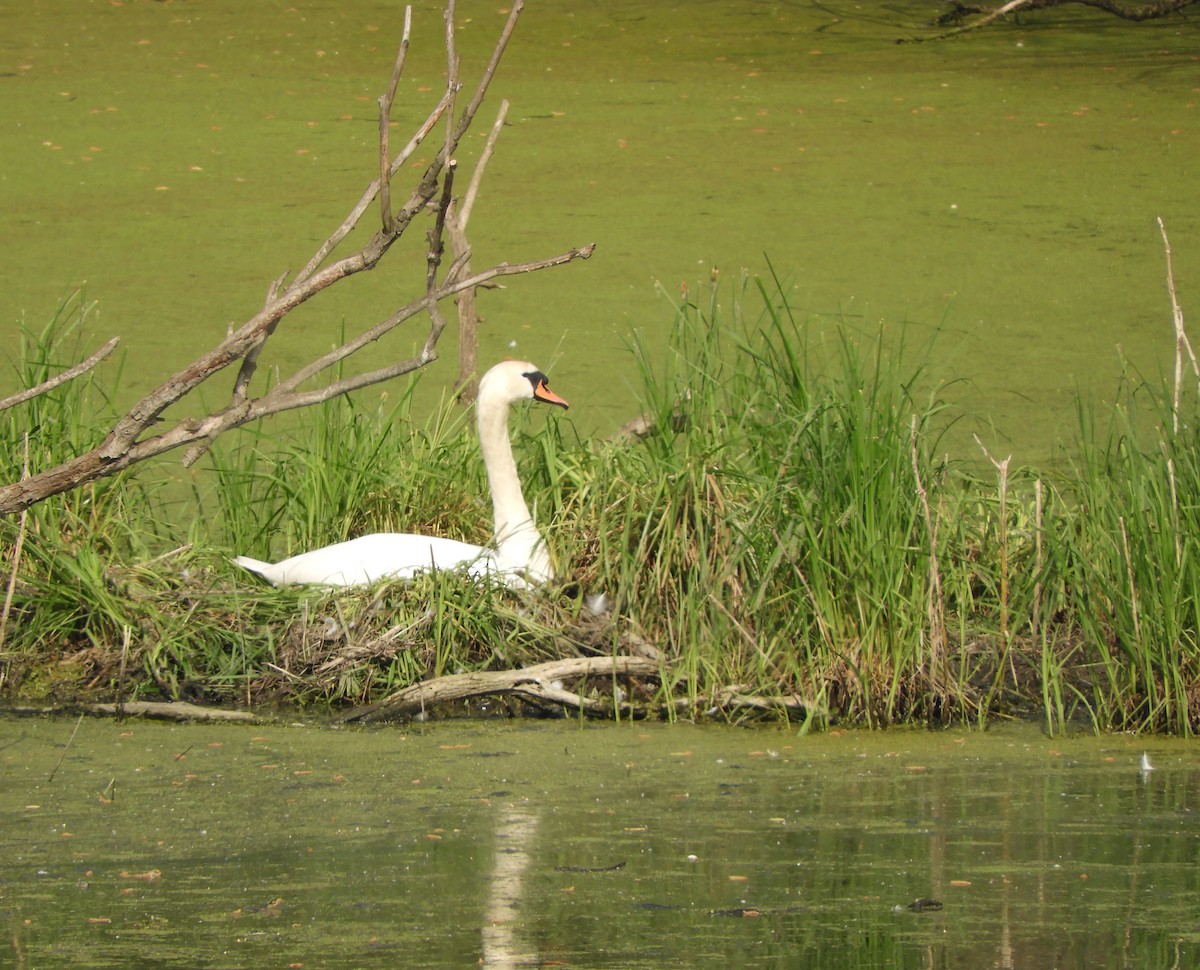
783 528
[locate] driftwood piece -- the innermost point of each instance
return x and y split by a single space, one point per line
989 12
538 683
1126 11
157 710
174 711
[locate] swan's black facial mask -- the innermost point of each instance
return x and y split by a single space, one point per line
541 389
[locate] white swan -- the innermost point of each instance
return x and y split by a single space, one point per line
519 552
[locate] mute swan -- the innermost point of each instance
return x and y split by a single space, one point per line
519 552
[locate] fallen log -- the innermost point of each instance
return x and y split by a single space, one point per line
173 711
539 683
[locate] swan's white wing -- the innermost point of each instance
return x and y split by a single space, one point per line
369 559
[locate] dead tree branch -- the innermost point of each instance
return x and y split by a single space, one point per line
58 380
456 227
131 440
991 11
1182 344
539 683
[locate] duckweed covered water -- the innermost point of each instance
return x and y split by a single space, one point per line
533 844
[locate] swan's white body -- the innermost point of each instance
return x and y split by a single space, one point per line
518 554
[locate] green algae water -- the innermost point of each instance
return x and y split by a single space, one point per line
554 843
999 188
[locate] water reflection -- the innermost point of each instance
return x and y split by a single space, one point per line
503 944
604 847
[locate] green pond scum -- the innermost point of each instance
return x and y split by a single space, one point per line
518 844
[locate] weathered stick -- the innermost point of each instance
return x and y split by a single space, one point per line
991 15
66 748
1181 339
14 566
1136 13
535 682
385 118
173 711
456 227
68 375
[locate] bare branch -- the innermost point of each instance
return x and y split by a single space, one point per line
385 117
372 190
139 435
15 565
468 314
991 12
448 289
1182 343
535 681
68 375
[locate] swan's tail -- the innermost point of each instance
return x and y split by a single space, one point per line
254 565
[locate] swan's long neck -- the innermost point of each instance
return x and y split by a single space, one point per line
518 541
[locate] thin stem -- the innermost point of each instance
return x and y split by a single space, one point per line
68 375
385 116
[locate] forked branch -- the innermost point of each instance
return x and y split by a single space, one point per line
138 435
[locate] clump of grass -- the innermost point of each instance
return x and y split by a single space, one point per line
769 527
1131 567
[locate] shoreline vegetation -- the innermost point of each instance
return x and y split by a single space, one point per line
779 537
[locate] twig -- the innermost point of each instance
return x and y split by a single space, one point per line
176 711
1148 11
1181 340
456 226
22 525
452 85
294 678
468 202
994 14
385 118
68 375
369 195
485 79
66 748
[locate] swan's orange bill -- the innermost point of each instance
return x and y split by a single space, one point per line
542 393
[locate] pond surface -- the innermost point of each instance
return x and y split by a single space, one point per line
594 846
1001 188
